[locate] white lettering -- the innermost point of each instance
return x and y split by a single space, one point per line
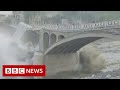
34 70
38 70
41 70
28 70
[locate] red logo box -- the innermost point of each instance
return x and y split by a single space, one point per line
24 70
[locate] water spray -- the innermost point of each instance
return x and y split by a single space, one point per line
12 52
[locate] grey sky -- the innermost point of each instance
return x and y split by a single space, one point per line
5 12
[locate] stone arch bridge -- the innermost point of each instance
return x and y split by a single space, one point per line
55 39
59 45
59 40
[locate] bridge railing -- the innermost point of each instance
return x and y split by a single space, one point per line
100 25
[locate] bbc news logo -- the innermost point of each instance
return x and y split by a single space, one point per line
24 70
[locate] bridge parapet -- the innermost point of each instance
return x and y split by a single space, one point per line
81 27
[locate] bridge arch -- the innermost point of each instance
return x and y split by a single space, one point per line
60 37
52 39
45 40
73 44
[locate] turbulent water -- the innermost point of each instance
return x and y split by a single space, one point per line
111 51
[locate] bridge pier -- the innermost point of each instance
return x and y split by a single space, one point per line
61 62
41 41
